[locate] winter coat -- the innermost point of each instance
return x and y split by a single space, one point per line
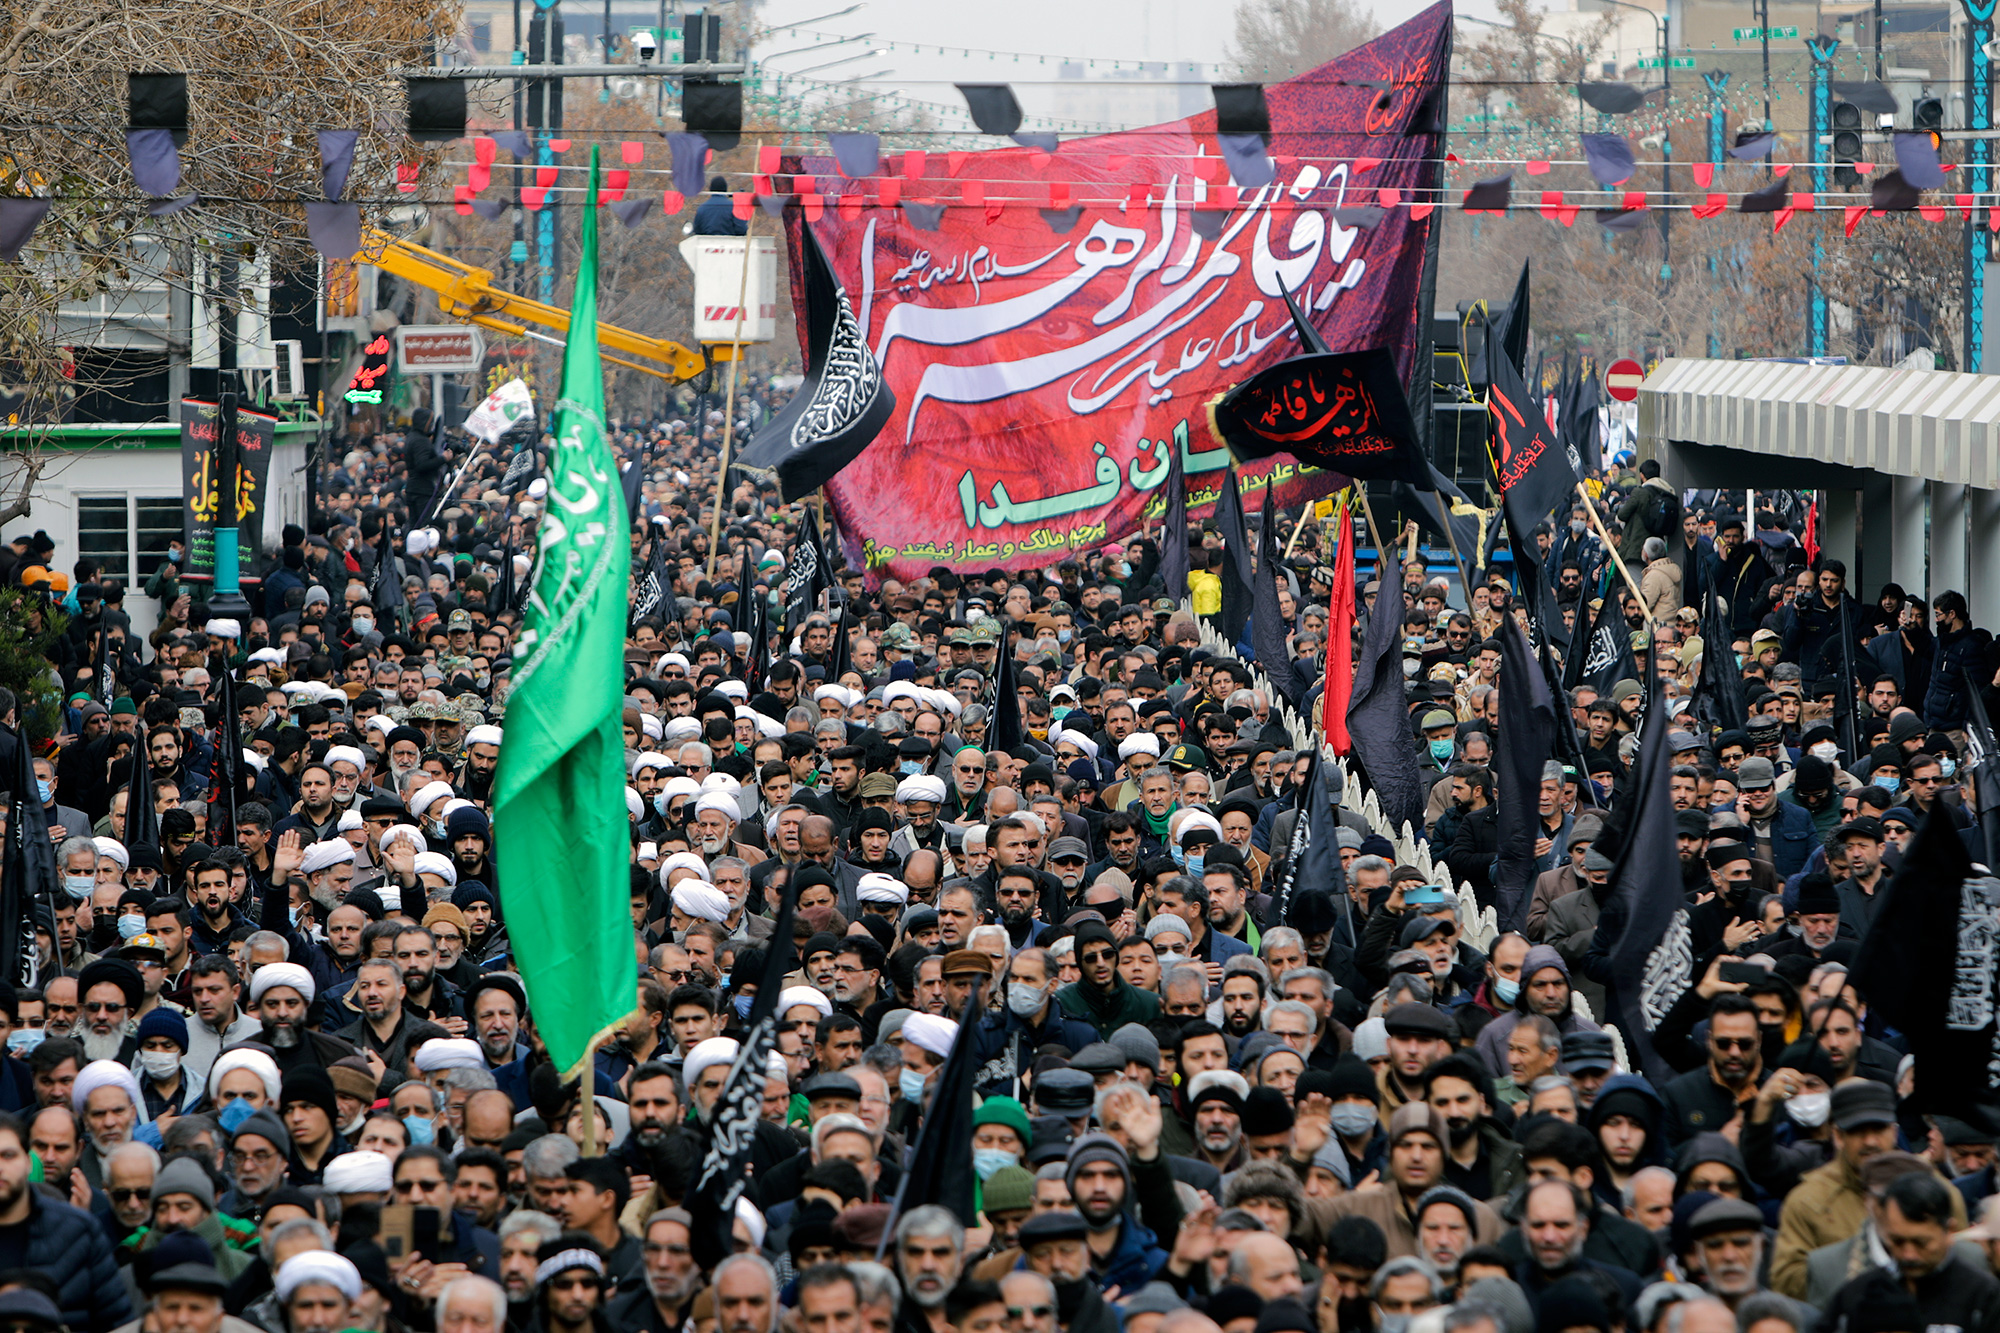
69 1247
1660 586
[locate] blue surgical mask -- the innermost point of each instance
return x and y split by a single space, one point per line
1353 1119
1441 749
79 886
1947 766
1195 861
1063 635
1505 990
22 1040
911 768
422 1131
910 1084
128 926
742 1005
234 1114
986 1161
46 788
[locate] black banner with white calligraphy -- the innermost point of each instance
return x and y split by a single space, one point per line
1342 411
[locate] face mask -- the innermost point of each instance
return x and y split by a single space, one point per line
364 627
47 789
128 926
1504 989
1169 959
1576 526
79 886
986 1161
1410 667
1947 766
1025 1001
1741 661
910 1084
1392 1323
1809 1109
1062 635
1195 863
22 1040
911 768
422 1131
159 1064
1353 1119
1826 750
742 1005
234 1114
1441 750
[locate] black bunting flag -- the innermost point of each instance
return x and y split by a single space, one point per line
1342 411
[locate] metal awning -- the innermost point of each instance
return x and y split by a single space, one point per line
1939 425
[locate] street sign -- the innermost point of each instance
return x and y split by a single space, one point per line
1746 34
1682 62
1651 62
1622 377
1787 33
438 349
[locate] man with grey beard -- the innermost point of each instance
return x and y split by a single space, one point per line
281 995
660 1304
110 991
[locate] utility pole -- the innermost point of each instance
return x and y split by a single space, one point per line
1978 169
1718 83
1821 49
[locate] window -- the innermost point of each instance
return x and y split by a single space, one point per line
127 535
482 36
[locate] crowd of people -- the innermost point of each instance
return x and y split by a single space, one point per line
277 1069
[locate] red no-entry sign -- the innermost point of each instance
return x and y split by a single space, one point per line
1622 377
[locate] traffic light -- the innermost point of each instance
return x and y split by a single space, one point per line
1927 114
1846 145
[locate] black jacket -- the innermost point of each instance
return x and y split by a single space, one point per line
67 1246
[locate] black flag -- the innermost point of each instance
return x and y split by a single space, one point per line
1342 411
1982 754
1719 691
142 826
843 403
1313 859
1378 720
806 577
1006 728
940 1169
1174 560
1235 558
1527 732
725 1169
839 664
1642 953
746 574
1474 531
1535 474
1512 342
1267 623
226 786
759 630
386 594
30 874
1927 967
1602 657
651 594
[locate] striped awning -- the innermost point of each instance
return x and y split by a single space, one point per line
1935 424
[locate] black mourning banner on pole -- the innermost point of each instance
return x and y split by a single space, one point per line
806 578
843 403
1267 625
1527 732
30 875
732 1127
1378 721
940 1170
1235 558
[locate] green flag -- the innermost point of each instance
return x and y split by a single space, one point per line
559 818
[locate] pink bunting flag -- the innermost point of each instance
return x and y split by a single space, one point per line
632 152
767 161
672 201
461 198
484 150
532 197
913 164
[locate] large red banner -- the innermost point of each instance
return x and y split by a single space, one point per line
1072 313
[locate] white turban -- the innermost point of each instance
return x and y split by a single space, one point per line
282 974
947 702
483 734
320 855
448 1053
650 726
684 861
838 693
792 995
932 1033
672 659
920 788
720 782
1139 742
650 759
381 722
722 803
432 792
114 850
223 629
899 689
273 656
1078 739
409 833
437 863
699 900
350 820
681 729
346 754
678 785
776 1069
876 887
733 689
316 1266
635 804
105 1074
752 1220
714 1051
258 1063
1196 819
357 1173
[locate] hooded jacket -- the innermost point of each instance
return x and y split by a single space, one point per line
1491 1048
1105 1010
1628 1095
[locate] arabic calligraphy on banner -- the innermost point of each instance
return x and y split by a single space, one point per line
1040 378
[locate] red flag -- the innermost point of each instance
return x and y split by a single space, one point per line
1811 540
1339 690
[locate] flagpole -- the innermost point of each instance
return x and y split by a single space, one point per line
729 405
1299 531
1590 513
1444 516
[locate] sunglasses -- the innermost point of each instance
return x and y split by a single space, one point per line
1734 1043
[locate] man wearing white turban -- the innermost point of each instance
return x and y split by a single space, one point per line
317 1291
695 901
920 798
281 996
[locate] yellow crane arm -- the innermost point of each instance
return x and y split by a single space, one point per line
467 293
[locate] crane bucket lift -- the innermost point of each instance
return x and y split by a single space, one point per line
467 294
